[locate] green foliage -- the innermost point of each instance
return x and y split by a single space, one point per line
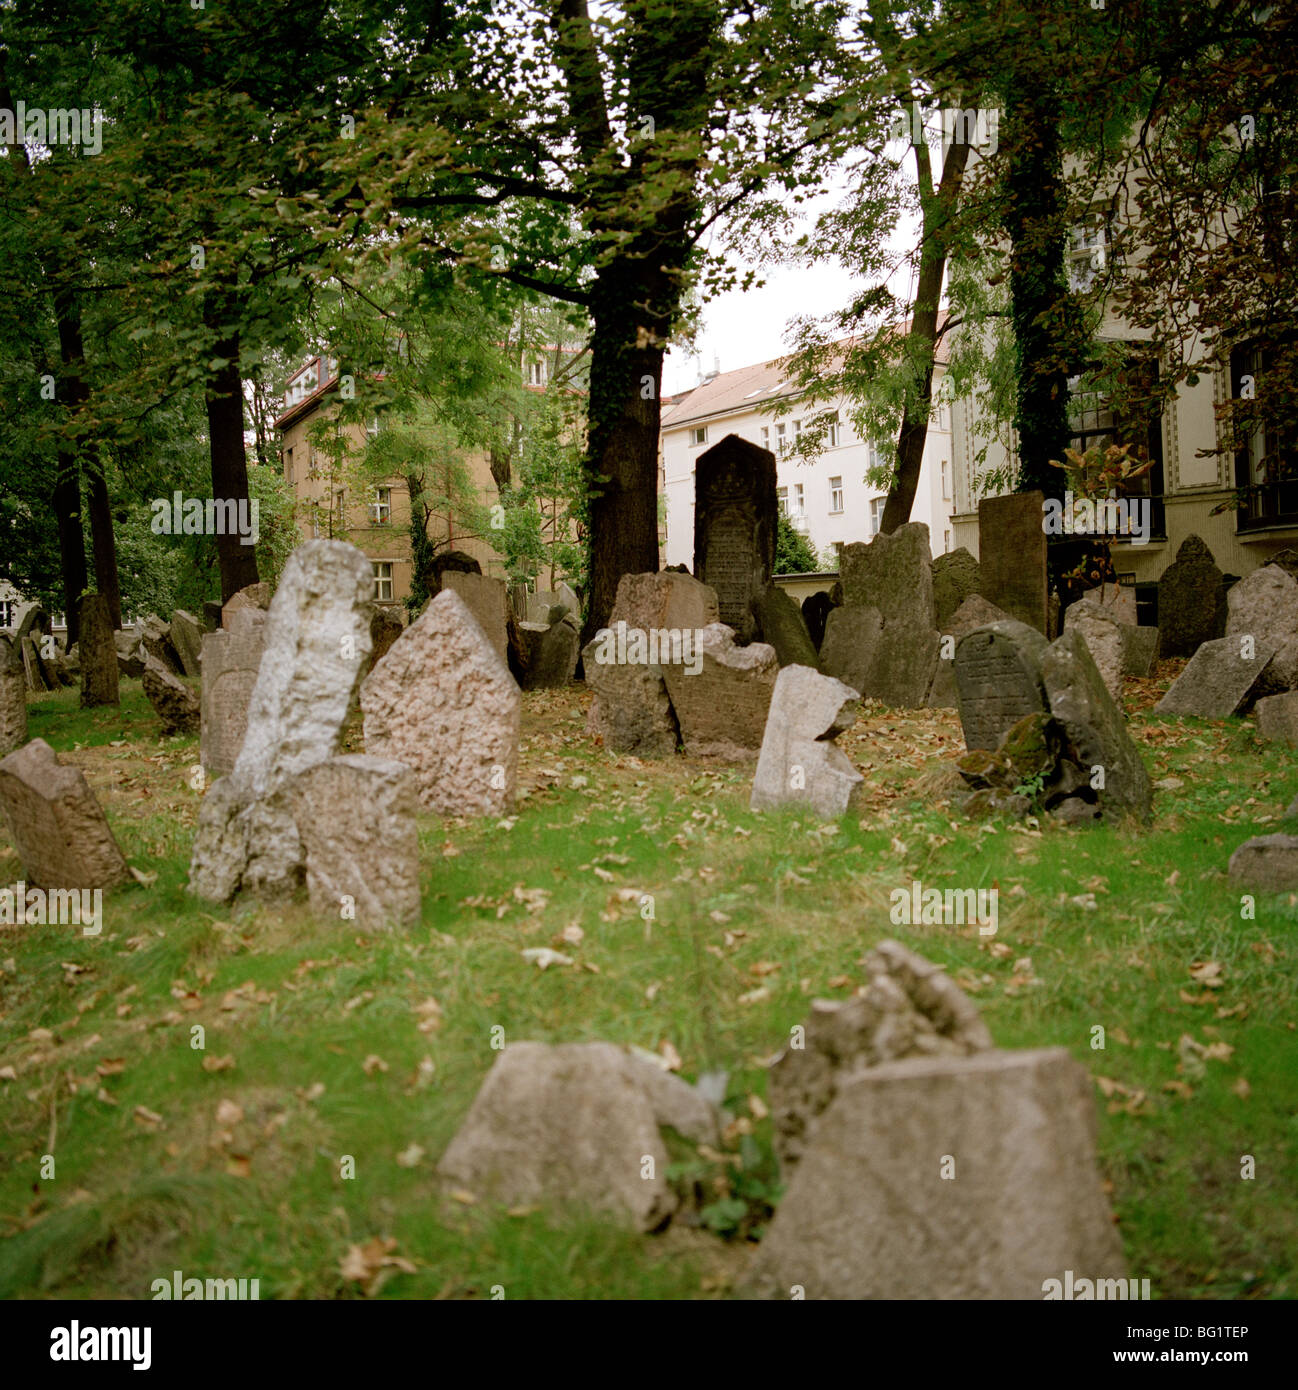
794 553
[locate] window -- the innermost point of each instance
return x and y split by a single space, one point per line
382 580
835 496
59 622
797 430
766 436
1265 471
699 436
798 505
372 428
782 497
535 374
381 507
876 458
1089 251
288 467
946 542
876 514
7 607
832 433
780 431
946 481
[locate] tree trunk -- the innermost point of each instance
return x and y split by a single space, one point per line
72 540
238 562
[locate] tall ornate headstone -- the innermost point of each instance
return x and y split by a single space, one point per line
1191 606
735 519
1012 556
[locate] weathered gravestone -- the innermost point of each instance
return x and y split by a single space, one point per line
1101 630
735 519
155 638
575 1122
173 701
187 639
799 760
851 645
356 816
55 823
488 600
998 680
443 702
254 596
98 653
1191 610
1139 648
547 653
722 697
893 574
1266 864
1012 556
1219 679
1287 560
130 654
956 577
13 699
317 638
632 711
1264 605
973 613
1277 718
1096 731
780 625
231 659
212 614
871 1211
385 627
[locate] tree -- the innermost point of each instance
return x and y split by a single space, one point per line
794 553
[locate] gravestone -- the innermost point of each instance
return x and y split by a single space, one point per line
547 654
1101 630
130 654
1287 560
871 1211
1264 605
780 625
356 816
98 653
998 680
231 659
448 562
488 600
721 710
212 613
1191 609
973 613
1266 864
1218 681
1012 556
1277 718
385 627
55 823
735 521
957 576
851 645
799 761
33 668
1139 648
1097 733
32 624
13 699
155 638
317 638
443 702
173 701
254 596
187 639
575 1122
816 609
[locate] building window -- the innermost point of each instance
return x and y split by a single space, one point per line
766 436
798 505
946 481
381 507
782 497
876 515
7 607
382 580
946 542
372 429
780 431
835 496
288 466
876 458
1265 469
832 433
1088 252
797 430
536 373
699 436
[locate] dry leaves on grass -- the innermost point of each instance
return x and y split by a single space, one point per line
371 1265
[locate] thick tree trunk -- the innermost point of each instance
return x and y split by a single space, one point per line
238 562
72 541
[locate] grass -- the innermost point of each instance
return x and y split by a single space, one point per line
703 928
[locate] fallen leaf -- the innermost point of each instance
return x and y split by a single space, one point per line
409 1157
228 1114
218 1063
146 1118
543 957
373 1063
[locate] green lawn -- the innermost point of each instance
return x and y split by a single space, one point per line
322 1042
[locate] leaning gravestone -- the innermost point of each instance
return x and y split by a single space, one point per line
1264 605
155 638
55 823
851 645
780 625
1219 679
443 702
956 578
187 638
488 600
735 520
722 707
1076 696
13 699
1191 610
231 659
1012 556
973 613
98 653
385 627
799 761
576 1122
871 1210
175 704
356 816
130 654
254 596
1101 630
998 680
317 638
